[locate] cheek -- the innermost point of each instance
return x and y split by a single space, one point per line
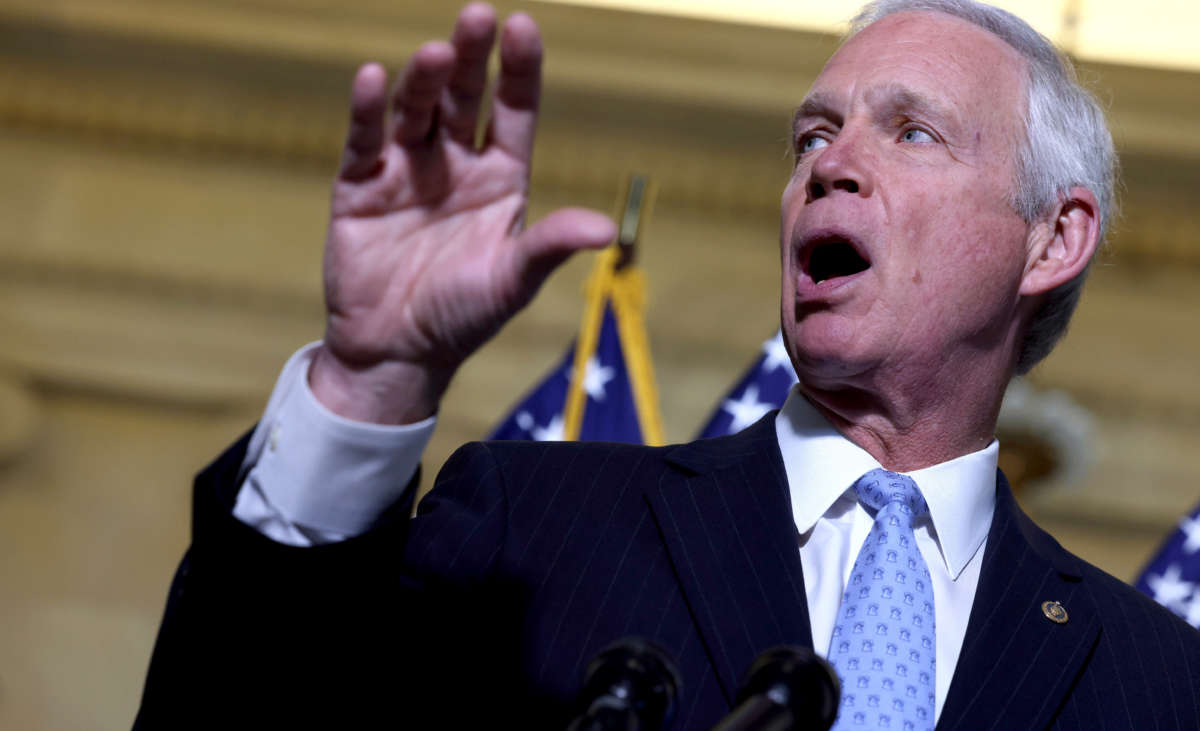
791 205
994 241
966 254
931 226
987 273
791 202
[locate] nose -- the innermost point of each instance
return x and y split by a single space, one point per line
842 166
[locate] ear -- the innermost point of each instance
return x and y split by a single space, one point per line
1060 247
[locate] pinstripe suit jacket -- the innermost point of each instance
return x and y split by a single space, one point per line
527 559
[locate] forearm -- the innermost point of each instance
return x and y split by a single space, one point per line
339 634
294 571
251 623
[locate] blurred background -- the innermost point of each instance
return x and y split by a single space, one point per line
165 177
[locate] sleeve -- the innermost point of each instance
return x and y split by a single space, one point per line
257 633
261 634
311 477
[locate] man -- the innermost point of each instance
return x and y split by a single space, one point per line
950 188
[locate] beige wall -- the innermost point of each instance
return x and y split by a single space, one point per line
166 165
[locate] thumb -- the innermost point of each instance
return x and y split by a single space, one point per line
548 243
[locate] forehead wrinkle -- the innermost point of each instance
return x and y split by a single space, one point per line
893 99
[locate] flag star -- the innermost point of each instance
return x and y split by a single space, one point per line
596 377
1191 529
1192 615
1169 590
775 354
525 421
746 410
552 432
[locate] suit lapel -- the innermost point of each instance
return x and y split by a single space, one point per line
1016 665
725 516
726 519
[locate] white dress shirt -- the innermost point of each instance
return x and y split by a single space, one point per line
822 467
313 477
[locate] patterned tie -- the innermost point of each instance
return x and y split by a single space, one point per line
882 645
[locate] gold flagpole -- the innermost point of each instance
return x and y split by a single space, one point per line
615 278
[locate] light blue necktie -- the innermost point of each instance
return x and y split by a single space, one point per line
883 641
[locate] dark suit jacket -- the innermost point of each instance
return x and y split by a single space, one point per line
527 559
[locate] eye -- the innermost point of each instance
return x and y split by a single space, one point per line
912 134
811 142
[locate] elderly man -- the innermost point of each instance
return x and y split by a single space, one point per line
951 185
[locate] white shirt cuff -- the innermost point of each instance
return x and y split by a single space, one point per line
314 477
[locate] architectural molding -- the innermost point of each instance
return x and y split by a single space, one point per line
20 418
702 105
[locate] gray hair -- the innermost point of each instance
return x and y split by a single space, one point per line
1067 143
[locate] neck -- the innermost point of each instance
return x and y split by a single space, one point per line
911 424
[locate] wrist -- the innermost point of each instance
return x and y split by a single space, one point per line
388 392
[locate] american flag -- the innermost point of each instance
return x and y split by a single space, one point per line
1172 577
610 413
764 386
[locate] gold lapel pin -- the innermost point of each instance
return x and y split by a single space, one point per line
1055 612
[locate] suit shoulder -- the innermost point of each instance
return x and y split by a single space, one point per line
519 448
1118 603
698 455
522 456
1132 621
1136 615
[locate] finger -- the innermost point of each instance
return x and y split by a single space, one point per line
364 140
548 243
514 113
472 40
417 94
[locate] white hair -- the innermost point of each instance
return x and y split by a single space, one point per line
1066 143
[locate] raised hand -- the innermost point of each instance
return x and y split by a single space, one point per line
427 254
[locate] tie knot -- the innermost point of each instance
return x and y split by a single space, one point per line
880 488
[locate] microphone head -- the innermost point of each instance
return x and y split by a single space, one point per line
636 674
795 677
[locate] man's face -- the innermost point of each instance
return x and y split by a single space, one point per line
900 249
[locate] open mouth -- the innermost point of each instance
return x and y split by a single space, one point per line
834 257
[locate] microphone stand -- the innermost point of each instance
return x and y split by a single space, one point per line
630 686
786 688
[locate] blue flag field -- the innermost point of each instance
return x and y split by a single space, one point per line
1172 578
764 386
603 389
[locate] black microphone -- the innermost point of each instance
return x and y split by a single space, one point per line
786 688
629 686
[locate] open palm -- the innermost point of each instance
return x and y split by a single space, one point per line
427 255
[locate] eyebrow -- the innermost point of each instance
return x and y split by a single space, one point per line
887 101
817 104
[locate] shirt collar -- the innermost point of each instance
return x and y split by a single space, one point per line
822 465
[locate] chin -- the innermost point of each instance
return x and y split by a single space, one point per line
823 350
